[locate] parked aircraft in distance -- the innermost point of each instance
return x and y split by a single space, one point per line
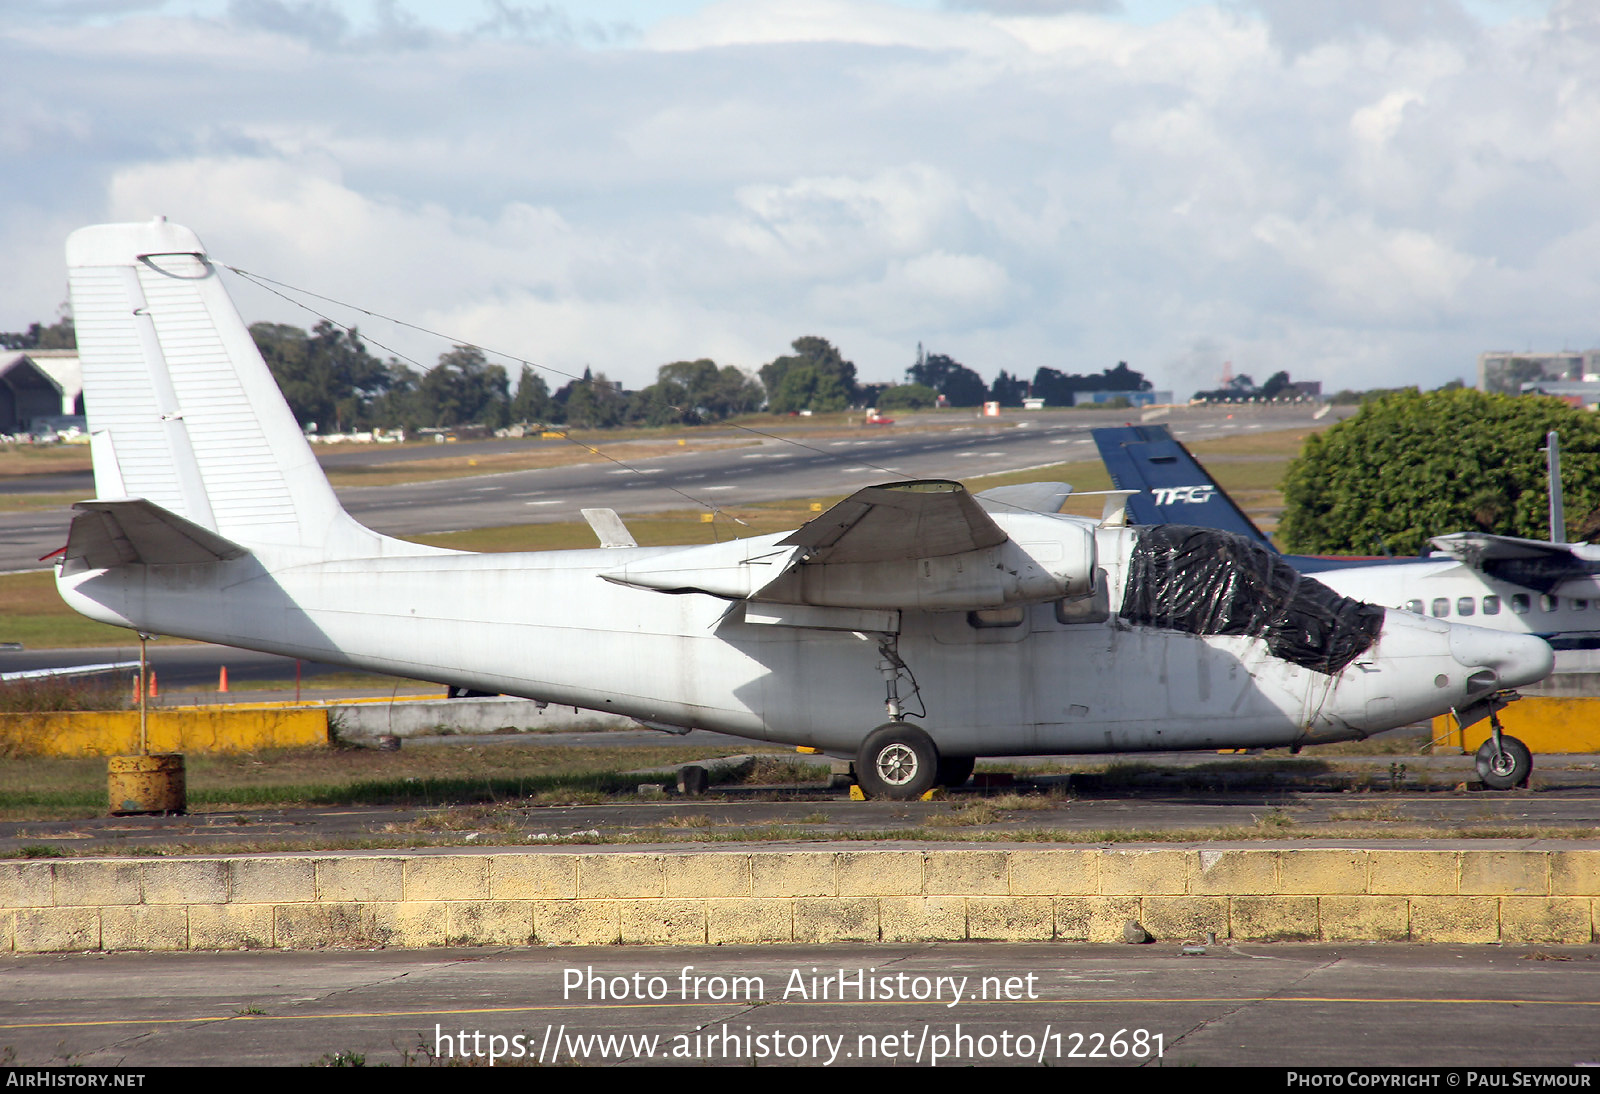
1547 589
1527 586
1000 626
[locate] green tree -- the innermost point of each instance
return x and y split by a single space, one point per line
687 392
327 376
1411 465
908 397
595 403
815 377
1008 390
531 403
959 385
463 387
399 407
58 335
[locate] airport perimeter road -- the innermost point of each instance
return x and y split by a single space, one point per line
765 470
943 1003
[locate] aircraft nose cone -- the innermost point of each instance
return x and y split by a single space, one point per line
1495 659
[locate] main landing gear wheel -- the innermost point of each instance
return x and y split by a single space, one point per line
954 770
1504 769
897 761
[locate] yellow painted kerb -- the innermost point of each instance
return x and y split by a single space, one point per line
116 732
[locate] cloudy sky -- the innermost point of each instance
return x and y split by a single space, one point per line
1367 192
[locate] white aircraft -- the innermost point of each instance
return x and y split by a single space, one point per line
1004 628
1550 589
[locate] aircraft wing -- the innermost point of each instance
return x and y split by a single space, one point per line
1171 486
924 544
1474 548
125 531
1531 563
927 518
1026 497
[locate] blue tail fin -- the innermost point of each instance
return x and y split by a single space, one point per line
1172 486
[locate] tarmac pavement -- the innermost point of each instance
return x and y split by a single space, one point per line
1158 1005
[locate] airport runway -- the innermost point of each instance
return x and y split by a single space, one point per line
765 470
1075 1005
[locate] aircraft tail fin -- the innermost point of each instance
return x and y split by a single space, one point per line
182 409
1171 486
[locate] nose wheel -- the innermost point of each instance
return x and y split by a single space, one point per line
1503 762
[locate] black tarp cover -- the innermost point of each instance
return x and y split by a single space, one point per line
1202 581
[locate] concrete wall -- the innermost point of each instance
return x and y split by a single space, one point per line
602 897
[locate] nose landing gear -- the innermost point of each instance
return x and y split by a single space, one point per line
1503 762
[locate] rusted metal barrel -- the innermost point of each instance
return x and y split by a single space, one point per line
146 784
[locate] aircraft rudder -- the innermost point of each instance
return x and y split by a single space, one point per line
182 409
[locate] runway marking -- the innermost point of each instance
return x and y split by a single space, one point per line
1227 1000
549 502
710 488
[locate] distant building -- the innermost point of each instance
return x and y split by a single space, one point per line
38 384
1511 373
1578 393
1135 398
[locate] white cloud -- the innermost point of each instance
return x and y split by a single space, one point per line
1369 193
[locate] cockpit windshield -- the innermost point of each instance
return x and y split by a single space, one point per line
1202 581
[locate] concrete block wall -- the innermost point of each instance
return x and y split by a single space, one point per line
630 897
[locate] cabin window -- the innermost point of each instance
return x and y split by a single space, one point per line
1519 603
1491 605
1465 605
1549 603
1441 606
1415 607
990 618
1580 605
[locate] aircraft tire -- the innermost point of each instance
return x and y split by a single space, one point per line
955 770
898 762
1507 770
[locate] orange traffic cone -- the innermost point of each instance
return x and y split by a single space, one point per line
222 679
152 683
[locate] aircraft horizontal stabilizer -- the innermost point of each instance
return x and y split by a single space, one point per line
133 531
